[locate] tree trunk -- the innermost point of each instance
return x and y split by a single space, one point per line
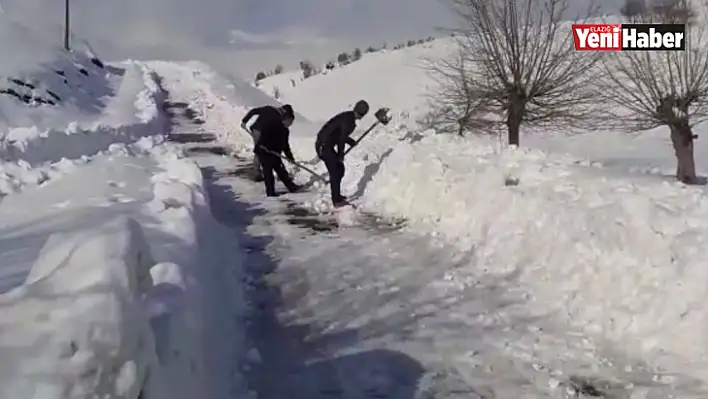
682 139
513 124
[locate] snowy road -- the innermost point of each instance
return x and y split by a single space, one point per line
367 312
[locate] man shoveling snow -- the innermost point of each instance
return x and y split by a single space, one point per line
265 116
271 134
329 146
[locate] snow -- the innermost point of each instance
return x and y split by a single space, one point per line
106 294
398 79
107 239
614 256
131 266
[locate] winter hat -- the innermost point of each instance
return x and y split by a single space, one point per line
288 111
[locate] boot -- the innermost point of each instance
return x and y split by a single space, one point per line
294 188
340 202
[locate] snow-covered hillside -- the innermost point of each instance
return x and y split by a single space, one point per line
394 78
400 79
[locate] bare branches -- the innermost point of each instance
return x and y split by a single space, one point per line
456 106
518 64
649 89
655 88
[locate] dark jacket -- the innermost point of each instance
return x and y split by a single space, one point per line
277 140
268 118
335 133
275 136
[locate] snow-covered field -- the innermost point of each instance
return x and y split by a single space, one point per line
126 273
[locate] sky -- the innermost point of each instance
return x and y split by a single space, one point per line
240 37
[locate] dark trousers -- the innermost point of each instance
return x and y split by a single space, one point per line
272 163
336 170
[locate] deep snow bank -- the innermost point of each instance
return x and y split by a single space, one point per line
118 310
210 323
621 260
78 326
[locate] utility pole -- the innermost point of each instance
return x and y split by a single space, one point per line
66 25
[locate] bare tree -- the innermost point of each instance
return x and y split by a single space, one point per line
650 89
452 109
517 64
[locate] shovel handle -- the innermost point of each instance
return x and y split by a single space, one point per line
294 163
357 141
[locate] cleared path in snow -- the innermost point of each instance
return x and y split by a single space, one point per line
368 312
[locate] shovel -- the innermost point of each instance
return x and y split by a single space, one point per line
313 173
383 117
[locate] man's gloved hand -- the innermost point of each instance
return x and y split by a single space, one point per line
245 127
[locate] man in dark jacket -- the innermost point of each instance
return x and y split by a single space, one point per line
272 139
330 146
267 116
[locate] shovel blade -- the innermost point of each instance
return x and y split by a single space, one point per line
383 115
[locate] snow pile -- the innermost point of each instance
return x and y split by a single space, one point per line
620 260
195 250
78 327
174 302
118 310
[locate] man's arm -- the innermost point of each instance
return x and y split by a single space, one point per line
253 112
347 128
286 148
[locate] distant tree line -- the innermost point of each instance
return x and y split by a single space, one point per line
309 69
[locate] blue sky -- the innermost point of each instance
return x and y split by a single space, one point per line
240 36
